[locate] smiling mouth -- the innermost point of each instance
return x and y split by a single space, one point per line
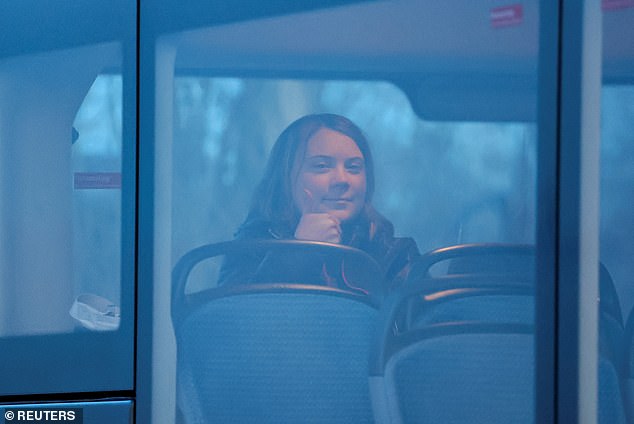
338 204
340 200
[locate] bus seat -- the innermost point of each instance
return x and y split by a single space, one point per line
477 258
469 298
270 352
481 322
363 274
451 372
470 280
491 263
275 354
517 261
463 372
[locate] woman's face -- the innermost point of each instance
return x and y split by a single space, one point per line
331 176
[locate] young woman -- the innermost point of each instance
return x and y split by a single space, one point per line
318 186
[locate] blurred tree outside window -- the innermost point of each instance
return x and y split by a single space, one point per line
442 183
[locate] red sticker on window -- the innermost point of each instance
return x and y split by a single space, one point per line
97 180
616 4
505 16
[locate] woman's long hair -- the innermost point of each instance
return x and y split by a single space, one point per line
273 199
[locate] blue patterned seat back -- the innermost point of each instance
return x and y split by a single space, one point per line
288 357
475 377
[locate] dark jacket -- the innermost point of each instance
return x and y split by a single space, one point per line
394 256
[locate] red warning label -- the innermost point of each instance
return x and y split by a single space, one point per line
505 16
616 4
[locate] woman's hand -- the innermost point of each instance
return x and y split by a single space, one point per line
315 225
318 227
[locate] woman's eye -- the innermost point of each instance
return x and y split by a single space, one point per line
320 166
355 168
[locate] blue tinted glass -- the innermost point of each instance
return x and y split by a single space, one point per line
257 123
616 320
61 216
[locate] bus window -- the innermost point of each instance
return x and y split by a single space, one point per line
67 195
62 187
617 187
96 164
446 98
442 183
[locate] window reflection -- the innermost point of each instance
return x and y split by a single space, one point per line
442 183
617 186
60 158
96 165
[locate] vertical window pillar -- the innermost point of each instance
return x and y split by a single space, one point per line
578 244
